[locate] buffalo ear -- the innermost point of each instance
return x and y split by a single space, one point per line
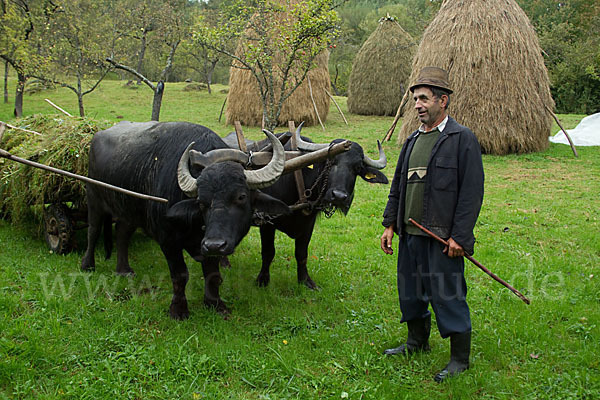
373 175
264 203
184 212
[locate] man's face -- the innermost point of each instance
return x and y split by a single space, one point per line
431 109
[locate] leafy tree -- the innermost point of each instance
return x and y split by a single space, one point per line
19 41
173 28
278 43
79 34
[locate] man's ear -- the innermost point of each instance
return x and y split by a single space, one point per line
268 204
373 175
184 212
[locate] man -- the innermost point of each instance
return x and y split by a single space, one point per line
439 183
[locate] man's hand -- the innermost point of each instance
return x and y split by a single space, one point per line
386 240
454 249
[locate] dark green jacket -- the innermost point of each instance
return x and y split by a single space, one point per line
453 188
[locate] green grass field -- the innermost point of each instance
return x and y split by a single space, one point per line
66 334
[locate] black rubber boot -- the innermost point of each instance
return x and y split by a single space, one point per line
417 340
460 349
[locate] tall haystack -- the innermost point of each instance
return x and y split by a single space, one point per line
244 105
380 70
497 72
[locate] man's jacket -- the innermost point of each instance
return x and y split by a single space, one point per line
453 186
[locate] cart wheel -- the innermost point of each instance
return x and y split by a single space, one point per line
58 231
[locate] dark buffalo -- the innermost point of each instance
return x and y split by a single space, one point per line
211 202
330 185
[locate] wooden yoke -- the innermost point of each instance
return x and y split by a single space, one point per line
298 173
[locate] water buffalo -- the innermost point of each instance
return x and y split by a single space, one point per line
330 186
211 199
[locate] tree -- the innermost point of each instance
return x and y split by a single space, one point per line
19 43
80 35
173 28
278 43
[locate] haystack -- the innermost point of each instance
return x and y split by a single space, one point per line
380 70
497 72
64 144
244 104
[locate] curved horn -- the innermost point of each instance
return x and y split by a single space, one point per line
307 146
217 155
267 175
186 181
379 164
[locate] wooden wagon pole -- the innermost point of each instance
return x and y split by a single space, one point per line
563 129
399 113
20 129
313 101
6 154
336 104
316 156
58 108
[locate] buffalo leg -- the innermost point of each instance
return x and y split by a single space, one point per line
267 243
301 253
212 281
124 232
95 223
179 278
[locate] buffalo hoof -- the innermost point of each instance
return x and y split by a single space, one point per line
126 272
179 312
88 268
309 283
219 307
263 280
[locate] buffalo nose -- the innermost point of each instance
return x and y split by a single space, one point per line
339 195
213 246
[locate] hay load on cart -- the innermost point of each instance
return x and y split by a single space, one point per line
30 193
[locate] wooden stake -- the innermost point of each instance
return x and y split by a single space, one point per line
338 107
313 101
563 129
240 136
58 108
399 113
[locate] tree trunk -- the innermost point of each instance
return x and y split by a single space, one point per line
80 102
21 78
156 103
141 56
6 81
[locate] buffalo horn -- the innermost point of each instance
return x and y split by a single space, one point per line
186 181
217 155
307 146
267 175
379 164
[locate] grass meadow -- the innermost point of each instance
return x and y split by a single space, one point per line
67 334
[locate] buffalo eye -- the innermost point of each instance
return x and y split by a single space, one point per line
242 198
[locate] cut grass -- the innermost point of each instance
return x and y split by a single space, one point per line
65 334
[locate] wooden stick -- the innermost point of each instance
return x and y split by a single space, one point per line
313 101
563 129
58 108
20 129
399 113
2 129
336 104
222 107
474 261
298 177
240 136
6 154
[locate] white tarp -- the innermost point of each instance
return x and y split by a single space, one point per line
587 133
